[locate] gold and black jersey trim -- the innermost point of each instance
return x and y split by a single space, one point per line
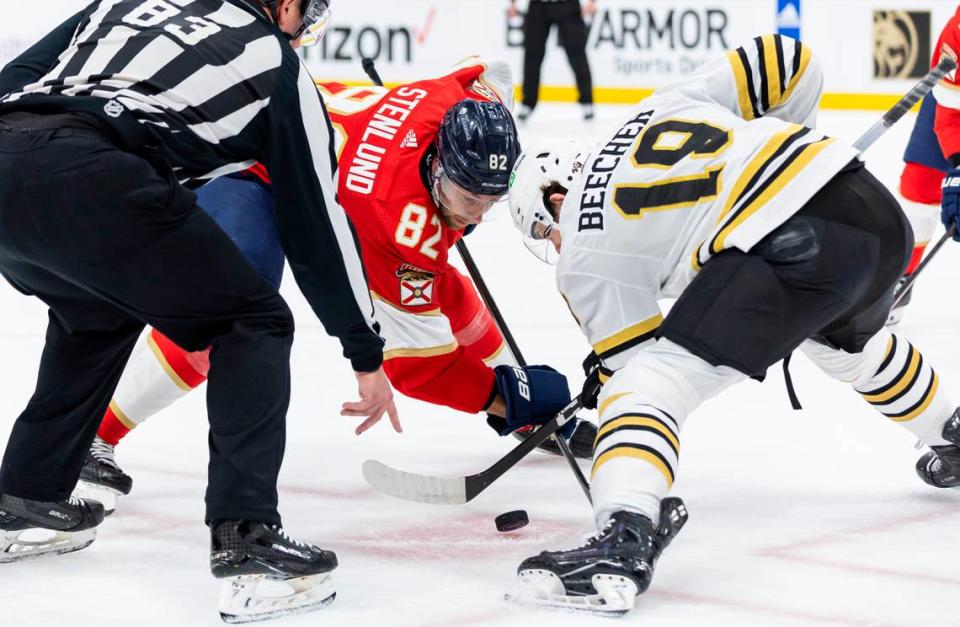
627 338
636 451
776 81
605 374
901 384
921 405
640 422
759 189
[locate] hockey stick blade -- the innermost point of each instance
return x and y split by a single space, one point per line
912 97
410 486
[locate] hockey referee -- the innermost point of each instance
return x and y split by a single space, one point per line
102 123
569 18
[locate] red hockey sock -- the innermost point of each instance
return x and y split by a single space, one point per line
915 258
111 428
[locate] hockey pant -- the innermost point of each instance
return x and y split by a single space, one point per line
827 293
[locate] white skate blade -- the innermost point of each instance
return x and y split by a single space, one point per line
101 494
540 588
250 598
16 546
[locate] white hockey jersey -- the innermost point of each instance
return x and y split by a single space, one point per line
717 162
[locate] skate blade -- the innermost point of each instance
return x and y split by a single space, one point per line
540 588
251 598
16 546
101 494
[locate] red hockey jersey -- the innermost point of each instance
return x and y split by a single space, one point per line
440 339
947 93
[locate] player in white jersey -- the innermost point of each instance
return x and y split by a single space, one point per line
771 236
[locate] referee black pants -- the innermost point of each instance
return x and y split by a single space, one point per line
110 242
541 16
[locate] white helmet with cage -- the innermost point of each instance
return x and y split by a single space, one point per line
537 173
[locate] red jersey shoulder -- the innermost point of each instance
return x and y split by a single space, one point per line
949 44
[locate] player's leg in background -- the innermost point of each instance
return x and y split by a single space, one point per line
159 373
919 189
573 38
887 370
536 27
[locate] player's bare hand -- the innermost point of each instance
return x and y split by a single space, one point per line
589 9
376 399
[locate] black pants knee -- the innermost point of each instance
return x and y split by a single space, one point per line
827 273
111 242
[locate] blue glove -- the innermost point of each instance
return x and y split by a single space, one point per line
950 205
532 394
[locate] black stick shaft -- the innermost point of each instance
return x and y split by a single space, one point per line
370 68
902 292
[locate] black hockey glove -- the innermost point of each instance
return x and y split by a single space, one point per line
592 385
532 395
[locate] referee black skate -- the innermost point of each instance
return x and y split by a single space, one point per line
568 16
102 123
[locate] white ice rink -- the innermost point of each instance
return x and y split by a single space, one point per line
796 518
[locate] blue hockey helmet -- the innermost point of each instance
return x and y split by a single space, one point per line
477 146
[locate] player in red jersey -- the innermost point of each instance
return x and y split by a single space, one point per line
933 150
442 345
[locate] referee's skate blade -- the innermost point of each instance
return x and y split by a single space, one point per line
16 546
541 588
251 598
413 487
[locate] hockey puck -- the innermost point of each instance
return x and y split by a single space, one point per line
511 521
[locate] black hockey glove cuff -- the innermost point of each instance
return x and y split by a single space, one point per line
592 385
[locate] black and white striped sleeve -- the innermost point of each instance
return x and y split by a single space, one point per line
37 60
317 236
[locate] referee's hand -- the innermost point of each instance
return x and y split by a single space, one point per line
376 398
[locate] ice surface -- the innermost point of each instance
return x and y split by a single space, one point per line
797 518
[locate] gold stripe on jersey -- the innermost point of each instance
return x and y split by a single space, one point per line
904 379
605 374
791 167
639 422
636 451
773 62
801 59
432 351
750 176
743 78
922 405
609 401
628 338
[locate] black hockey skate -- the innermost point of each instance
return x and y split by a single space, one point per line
102 479
606 574
941 466
266 574
581 442
34 528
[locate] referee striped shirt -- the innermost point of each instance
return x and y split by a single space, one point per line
213 86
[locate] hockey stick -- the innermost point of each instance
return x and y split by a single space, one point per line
902 292
458 490
892 116
371 70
